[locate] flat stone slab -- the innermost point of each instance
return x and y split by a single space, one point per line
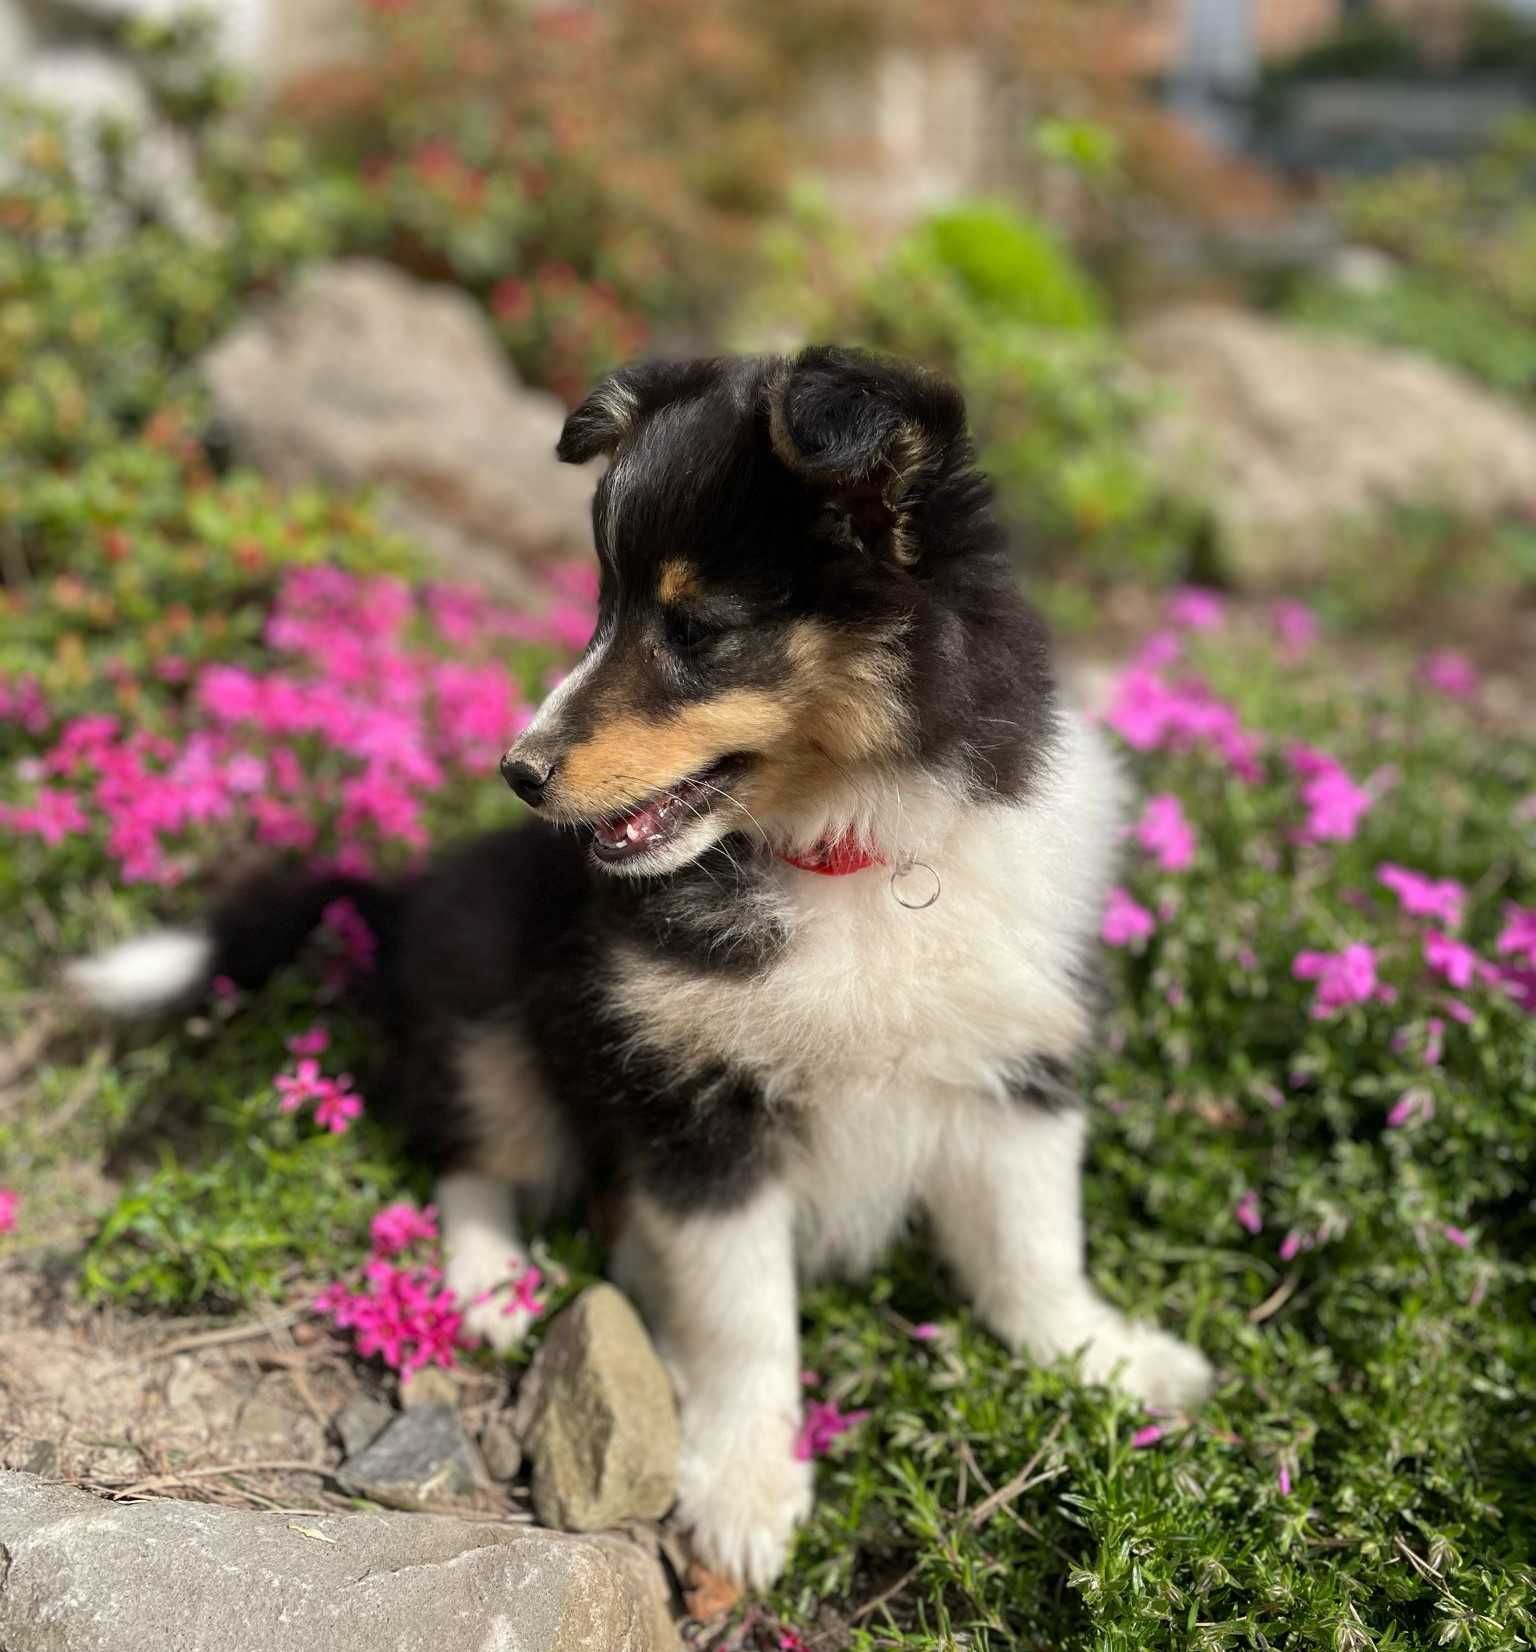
78 1574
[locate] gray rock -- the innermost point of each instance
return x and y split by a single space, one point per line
501 1448
81 1575
1362 270
1300 437
431 1385
360 1422
363 377
42 1457
423 1457
601 1426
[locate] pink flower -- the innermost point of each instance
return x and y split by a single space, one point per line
304 1084
1459 1012
336 1110
1292 1245
1197 609
1165 832
1453 959
1335 804
1343 978
402 1314
1413 1107
1249 1217
1283 1480
1520 985
1150 714
525 1297
334 1103
399 1226
314 1042
1296 626
10 1202
927 1331
1146 1436
1424 897
1459 1237
1125 920
346 925
1452 673
1160 649
1519 933
52 815
823 1424
789 1641
22 702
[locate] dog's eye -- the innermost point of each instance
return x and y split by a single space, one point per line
689 633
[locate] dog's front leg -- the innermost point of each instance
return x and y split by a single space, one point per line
720 1290
1006 1203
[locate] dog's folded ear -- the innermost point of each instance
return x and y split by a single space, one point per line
870 431
618 403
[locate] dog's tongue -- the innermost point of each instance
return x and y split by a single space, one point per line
627 834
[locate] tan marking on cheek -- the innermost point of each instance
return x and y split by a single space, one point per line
630 757
849 691
677 581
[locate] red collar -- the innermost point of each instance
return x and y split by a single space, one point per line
837 858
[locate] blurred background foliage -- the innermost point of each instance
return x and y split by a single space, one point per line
638 177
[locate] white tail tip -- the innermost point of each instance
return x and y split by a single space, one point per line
148 973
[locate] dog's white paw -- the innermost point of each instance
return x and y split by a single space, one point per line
1156 1368
742 1493
480 1276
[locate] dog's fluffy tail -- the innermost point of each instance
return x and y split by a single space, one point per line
260 926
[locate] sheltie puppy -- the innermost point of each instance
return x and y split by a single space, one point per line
801 940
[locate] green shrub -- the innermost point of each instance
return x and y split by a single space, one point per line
1427 315
1471 228
1008 266
104 310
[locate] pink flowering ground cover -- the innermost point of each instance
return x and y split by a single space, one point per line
1314 1119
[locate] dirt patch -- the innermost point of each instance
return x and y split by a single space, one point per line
225 1413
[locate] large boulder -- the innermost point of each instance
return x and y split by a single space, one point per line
361 376
1300 436
81 1575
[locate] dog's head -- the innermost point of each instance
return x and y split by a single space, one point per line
802 594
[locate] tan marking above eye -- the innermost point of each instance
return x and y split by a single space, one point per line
678 580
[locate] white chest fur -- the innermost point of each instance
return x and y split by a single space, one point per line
875 998
890 1030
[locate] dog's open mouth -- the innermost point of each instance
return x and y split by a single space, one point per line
655 822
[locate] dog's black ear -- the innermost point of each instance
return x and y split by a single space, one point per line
618 403
873 432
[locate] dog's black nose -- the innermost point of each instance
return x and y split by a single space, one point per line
528 780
